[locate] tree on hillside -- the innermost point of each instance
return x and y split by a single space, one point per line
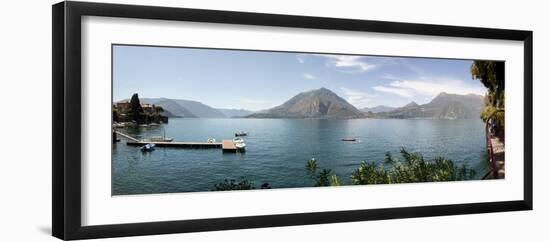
491 75
136 110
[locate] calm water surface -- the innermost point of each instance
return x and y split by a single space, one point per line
277 150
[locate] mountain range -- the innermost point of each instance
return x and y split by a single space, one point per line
443 106
185 108
324 104
179 108
232 113
378 109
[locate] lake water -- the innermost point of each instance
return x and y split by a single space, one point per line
278 149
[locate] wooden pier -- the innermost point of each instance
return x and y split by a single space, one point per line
225 145
197 145
228 146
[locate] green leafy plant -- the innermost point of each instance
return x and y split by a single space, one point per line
311 166
229 185
411 168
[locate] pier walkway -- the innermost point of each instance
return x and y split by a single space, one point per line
225 145
177 144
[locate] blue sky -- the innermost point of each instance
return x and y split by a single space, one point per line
256 80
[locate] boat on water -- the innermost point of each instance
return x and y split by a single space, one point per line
211 140
351 139
239 143
241 133
148 147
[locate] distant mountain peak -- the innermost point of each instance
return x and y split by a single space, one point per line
411 104
321 90
318 103
443 106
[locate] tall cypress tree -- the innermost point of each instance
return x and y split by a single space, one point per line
136 110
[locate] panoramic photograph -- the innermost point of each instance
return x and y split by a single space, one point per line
200 120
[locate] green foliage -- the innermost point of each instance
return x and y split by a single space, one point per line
335 180
136 112
114 114
491 75
311 166
369 173
323 178
412 168
228 185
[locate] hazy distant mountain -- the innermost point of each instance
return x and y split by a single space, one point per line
235 112
443 106
172 107
378 109
320 103
185 108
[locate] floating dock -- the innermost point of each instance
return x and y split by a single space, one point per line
179 144
225 145
228 146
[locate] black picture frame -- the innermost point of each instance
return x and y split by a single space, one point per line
66 127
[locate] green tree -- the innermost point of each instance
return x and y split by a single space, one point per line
491 75
136 112
323 178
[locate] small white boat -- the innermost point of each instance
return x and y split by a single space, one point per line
148 147
239 143
211 140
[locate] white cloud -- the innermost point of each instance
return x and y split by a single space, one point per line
359 99
389 76
392 90
348 62
309 76
430 88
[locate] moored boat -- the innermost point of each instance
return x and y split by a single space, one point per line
349 139
239 144
148 147
241 133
